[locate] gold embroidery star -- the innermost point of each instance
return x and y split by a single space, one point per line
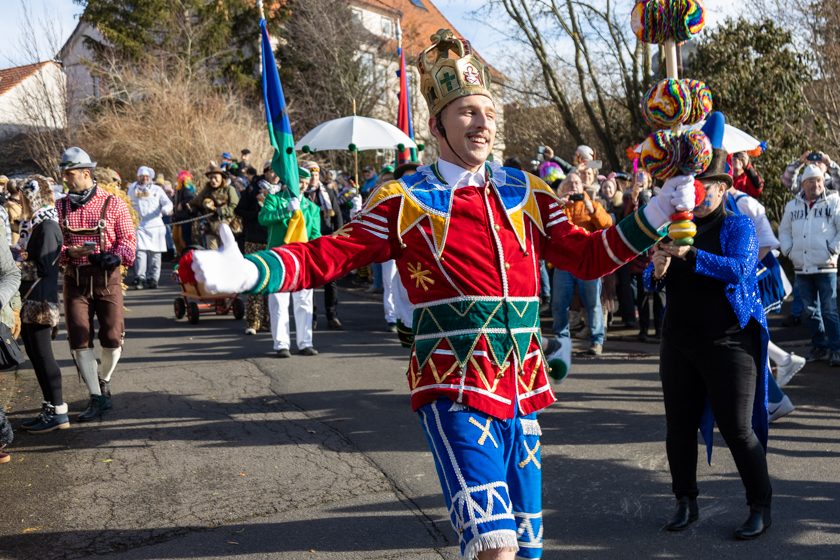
421 276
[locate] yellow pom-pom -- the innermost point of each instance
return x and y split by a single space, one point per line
682 230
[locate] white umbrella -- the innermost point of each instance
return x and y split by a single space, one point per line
734 139
362 133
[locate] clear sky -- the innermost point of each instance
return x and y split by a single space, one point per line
493 45
57 18
52 23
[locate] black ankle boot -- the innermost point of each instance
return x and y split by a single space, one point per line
105 388
686 514
96 408
755 525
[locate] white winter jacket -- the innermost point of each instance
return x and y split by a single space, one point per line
810 237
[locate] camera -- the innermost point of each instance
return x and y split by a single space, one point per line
576 197
814 156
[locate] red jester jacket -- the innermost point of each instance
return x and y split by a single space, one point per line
468 257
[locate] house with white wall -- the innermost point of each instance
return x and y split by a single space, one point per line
32 96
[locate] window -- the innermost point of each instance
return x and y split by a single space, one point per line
387 27
357 15
419 4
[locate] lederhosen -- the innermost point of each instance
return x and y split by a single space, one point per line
90 290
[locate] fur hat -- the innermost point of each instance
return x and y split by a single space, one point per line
37 192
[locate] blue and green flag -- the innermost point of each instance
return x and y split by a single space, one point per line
284 163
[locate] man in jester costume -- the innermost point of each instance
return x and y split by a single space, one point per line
467 236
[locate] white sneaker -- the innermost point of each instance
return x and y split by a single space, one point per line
250 331
777 410
784 373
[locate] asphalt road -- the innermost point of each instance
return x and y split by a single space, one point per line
217 450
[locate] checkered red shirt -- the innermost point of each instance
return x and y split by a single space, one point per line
119 228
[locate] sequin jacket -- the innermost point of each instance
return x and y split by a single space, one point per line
738 269
469 260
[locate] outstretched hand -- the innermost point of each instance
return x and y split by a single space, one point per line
225 270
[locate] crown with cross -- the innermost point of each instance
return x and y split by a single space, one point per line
444 79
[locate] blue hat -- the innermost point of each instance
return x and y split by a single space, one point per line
714 128
226 155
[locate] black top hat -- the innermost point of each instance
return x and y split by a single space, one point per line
717 168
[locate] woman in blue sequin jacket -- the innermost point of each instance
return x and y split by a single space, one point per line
714 352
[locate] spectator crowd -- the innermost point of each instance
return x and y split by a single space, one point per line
161 220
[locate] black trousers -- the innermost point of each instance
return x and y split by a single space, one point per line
644 302
330 301
726 370
624 291
37 339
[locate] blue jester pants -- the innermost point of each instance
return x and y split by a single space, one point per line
490 472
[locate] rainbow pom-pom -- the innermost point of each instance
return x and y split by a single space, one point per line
665 154
667 104
657 21
701 101
695 152
661 154
688 18
647 19
672 102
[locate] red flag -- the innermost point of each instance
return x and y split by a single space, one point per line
403 112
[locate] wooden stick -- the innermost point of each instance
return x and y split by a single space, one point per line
671 62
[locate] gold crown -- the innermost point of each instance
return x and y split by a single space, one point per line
444 79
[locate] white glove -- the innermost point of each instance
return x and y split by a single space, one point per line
294 204
676 195
224 271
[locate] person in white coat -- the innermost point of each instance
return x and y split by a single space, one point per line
151 204
810 237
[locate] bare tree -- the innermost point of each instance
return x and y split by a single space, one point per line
330 62
169 120
609 69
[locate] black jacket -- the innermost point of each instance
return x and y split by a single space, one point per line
42 251
249 209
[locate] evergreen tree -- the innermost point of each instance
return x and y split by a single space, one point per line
758 81
213 40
